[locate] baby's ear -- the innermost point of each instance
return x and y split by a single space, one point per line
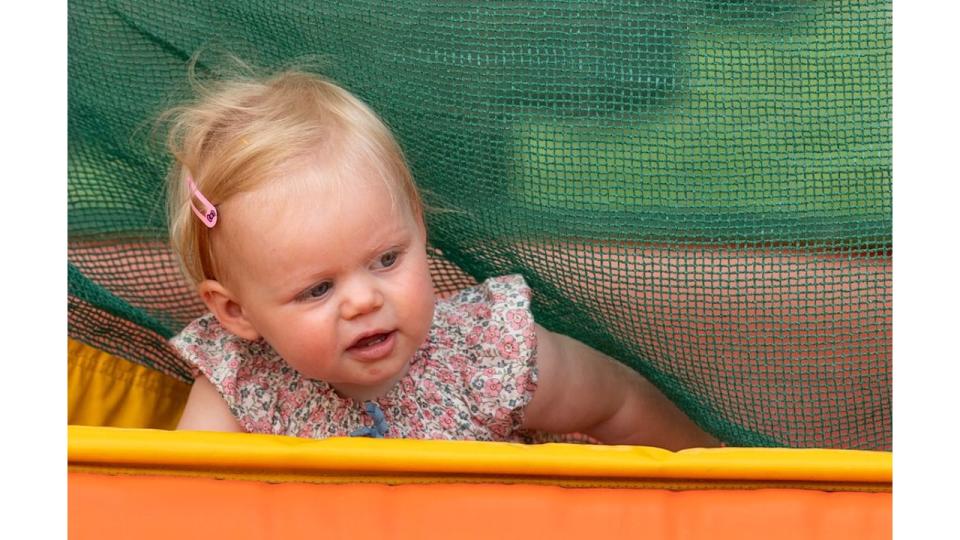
224 306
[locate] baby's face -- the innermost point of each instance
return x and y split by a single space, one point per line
335 279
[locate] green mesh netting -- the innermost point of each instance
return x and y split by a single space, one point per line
700 188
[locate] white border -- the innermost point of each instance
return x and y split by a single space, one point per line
925 272
33 96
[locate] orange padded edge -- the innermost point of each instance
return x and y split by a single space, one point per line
105 507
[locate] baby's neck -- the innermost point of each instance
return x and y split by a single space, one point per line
368 393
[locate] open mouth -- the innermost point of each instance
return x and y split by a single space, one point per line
374 347
370 341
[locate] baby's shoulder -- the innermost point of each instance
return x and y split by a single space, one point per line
205 344
203 329
483 350
489 322
479 314
493 296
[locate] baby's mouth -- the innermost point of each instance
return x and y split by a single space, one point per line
370 341
373 347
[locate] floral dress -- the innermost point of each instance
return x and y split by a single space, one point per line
471 378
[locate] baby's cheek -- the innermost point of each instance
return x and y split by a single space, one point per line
310 354
427 309
420 294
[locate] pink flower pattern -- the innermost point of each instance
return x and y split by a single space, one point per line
471 379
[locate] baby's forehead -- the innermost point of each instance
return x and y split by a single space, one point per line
309 193
317 187
284 229
334 164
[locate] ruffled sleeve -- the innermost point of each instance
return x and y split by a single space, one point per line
499 368
238 368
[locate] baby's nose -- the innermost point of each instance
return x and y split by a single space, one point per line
361 297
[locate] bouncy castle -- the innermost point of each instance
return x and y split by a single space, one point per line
700 189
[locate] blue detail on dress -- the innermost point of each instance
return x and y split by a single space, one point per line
379 428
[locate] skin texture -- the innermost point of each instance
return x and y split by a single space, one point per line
313 266
583 390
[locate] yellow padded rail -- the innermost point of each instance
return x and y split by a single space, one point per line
277 458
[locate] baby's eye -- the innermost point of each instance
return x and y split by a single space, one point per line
388 259
317 290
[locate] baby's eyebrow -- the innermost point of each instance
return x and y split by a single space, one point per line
392 240
298 285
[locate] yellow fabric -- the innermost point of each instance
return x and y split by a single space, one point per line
108 391
104 390
278 458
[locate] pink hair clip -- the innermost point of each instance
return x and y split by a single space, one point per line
209 214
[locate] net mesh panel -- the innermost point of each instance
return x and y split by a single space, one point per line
701 189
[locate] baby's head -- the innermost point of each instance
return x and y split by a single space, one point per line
318 245
246 134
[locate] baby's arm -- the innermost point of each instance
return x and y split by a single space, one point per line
582 390
206 410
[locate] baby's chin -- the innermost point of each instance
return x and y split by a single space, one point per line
374 382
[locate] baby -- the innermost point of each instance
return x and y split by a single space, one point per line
292 210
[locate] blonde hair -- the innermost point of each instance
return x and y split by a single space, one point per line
239 131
